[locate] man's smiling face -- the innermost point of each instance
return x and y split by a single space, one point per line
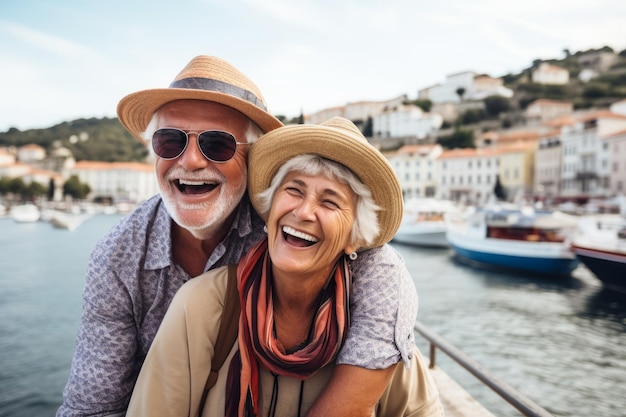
201 194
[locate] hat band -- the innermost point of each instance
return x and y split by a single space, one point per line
198 83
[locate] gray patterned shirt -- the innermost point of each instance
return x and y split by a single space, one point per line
131 280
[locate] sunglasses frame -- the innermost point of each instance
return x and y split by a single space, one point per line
187 133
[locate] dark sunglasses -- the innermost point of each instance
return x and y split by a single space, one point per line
215 145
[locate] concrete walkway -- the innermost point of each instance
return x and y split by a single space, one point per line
455 400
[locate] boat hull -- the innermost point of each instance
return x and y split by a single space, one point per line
544 266
423 235
546 259
27 213
609 267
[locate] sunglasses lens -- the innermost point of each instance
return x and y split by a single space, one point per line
169 143
217 146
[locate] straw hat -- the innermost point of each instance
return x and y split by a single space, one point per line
339 140
204 78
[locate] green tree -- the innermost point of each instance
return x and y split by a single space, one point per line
460 92
50 193
498 189
494 105
423 104
76 189
17 186
34 189
460 138
472 116
4 185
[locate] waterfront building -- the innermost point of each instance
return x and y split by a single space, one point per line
31 152
517 168
586 166
599 61
406 121
358 112
619 107
617 151
543 110
6 157
468 175
416 167
119 181
474 87
548 160
550 74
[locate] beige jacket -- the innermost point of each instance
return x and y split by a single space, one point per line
172 378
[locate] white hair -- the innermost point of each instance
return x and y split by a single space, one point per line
365 228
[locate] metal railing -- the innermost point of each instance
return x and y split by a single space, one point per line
518 400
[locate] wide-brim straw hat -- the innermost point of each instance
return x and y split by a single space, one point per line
339 140
204 78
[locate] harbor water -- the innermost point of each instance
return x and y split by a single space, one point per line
560 342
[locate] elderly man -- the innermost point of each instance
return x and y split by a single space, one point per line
200 129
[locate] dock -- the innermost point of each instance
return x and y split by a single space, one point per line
456 401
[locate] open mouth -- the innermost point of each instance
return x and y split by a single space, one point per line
297 238
194 187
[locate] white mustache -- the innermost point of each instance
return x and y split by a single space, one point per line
205 175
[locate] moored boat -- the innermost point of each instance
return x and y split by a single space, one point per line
601 247
69 221
423 223
515 237
25 213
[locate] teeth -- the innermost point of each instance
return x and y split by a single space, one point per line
188 182
293 232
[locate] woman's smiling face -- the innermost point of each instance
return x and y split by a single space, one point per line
310 223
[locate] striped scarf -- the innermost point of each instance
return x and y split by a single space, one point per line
258 346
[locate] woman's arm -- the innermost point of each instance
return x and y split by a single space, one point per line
383 309
352 391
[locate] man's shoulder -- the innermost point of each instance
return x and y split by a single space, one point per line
149 222
381 255
380 264
143 217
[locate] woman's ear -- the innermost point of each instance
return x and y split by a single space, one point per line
351 248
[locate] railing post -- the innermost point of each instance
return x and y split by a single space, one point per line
518 400
432 355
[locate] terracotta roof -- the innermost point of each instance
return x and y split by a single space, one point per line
109 166
421 149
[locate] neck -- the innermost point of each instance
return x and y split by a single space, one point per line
295 301
190 252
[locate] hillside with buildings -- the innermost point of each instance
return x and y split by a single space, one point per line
555 131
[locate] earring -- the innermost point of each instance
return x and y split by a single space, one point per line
265 228
353 256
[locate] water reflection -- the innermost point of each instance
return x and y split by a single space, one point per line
558 340
605 304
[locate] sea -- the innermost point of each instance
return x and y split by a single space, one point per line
561 342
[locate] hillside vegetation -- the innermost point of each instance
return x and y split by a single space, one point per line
88 139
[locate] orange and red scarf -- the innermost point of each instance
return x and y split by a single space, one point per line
258 346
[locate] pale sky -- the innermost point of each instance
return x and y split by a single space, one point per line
68 59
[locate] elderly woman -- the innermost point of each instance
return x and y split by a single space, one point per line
325 193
